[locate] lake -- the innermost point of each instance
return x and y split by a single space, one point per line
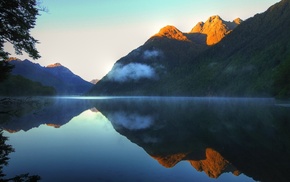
148 139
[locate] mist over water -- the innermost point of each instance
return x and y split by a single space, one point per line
152 139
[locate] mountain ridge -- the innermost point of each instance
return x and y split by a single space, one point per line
54 65
171 32
215 28
160 54
252 60
54 75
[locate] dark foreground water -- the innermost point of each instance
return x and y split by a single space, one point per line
149 139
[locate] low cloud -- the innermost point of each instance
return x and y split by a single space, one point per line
131 121
131 72
148 54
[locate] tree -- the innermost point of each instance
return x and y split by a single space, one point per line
17 18
5 69
5 150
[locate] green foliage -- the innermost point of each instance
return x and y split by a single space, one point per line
281 86
19 86
5 69
5 150
17 19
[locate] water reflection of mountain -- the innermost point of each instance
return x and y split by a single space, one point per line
214 135
51 111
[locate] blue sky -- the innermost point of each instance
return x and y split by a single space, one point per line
89 36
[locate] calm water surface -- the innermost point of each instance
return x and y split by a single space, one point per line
150 139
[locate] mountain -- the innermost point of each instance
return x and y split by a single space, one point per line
28 113
252 60
146 67
61 78
171 32
210 32
215 28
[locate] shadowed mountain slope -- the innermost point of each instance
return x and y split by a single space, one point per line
61 78
145 69
251 60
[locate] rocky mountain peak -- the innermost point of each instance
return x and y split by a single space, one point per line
198 27
214 164
215 28
54 65
214 18
238 21
171 32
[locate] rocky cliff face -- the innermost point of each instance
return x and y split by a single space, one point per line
215 28
214 164
171 32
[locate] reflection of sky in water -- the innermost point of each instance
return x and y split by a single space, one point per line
89 149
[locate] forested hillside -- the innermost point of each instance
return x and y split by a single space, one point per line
251 60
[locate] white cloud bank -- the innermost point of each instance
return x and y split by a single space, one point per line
131 72
148 54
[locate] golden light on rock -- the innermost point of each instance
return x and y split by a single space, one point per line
215 28
170 160
171 32
214 164
54 125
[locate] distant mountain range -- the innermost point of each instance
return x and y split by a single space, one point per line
27 114
216 58
55 75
